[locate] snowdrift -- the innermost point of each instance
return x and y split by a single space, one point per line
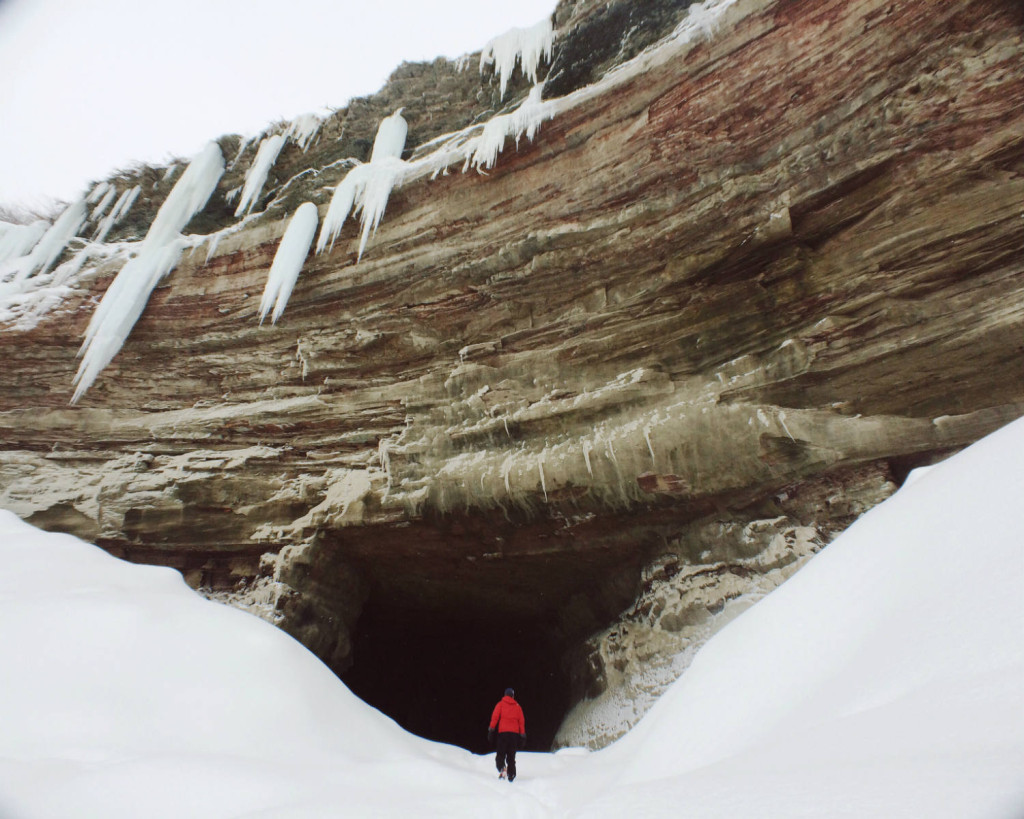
886 679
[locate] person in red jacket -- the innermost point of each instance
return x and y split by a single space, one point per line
508 722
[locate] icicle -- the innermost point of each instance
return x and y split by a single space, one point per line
368 187
53 242
543 483
526 119
171 170
288 261
303 129
525 45
390 139
506 469
341 204
384 175
18 240
101 208
121 208
128 294
586 457
97 192
650 446
212 244
256 176
245 143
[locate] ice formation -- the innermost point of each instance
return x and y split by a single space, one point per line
482 152
104 203
256 176
97 192
18 240
121 207
525 45
303 129
288 261
53 241
367 187
128 294
390 139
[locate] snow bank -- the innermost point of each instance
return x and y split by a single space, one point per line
886 679
288 261
160 251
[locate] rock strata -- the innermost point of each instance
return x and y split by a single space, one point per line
743 267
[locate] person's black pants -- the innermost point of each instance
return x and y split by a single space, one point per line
505 759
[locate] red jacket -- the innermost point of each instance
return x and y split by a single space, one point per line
508 717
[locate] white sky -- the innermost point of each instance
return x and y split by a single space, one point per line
89 86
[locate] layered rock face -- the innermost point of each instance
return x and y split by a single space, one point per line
720 305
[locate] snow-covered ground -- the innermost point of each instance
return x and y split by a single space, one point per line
886 679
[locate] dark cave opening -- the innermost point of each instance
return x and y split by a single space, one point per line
439 677
461 607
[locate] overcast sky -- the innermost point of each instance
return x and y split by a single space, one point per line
89 86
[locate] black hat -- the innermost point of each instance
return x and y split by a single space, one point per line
509 692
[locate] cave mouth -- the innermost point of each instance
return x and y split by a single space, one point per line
459 608
439 676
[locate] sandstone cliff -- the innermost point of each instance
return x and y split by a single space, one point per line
723 301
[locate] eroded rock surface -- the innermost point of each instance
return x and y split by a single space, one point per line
775 256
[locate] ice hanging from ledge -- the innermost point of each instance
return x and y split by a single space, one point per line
126 298
527 45
367 187
288 261
256 176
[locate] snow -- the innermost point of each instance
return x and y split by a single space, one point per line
885 679
527 46
367 187
160 251
256 176
288 261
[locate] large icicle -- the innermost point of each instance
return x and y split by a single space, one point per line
527 45
367 187
390 139
18 240
384 175
482 152
128 294
288 261
53 242
256 176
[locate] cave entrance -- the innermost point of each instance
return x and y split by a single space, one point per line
459 609
440 676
